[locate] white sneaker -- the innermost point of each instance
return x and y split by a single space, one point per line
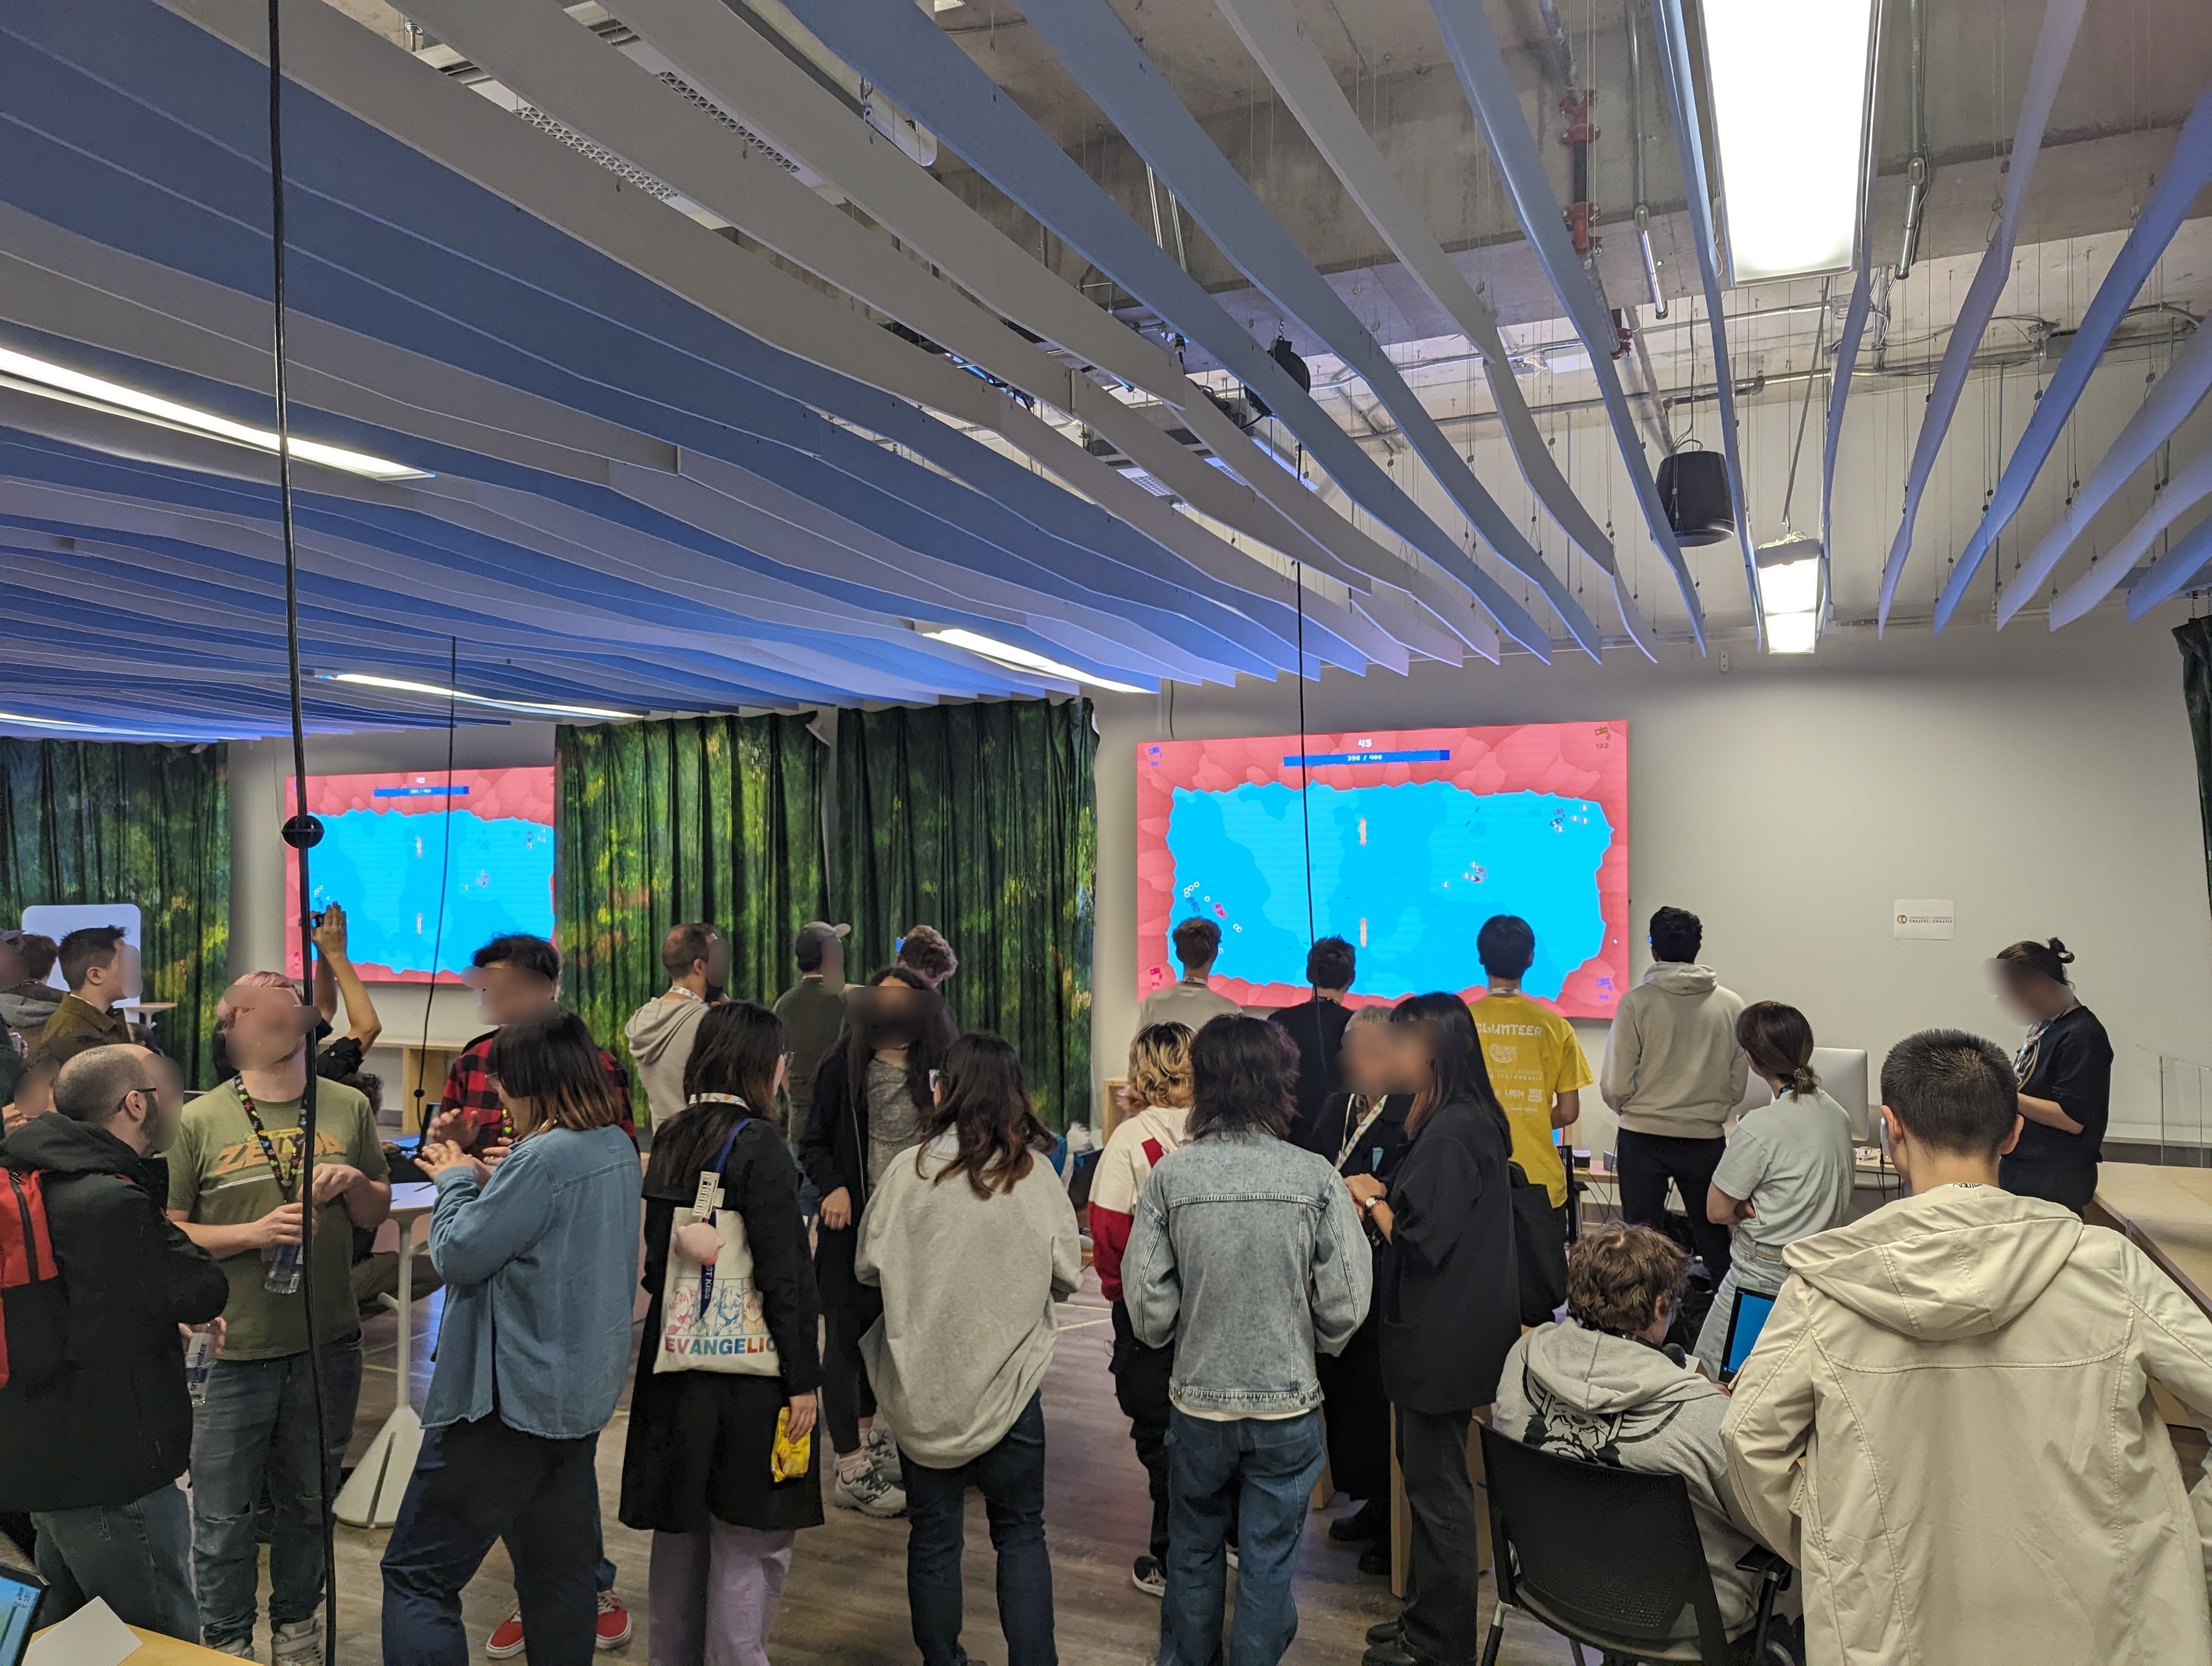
884 1456
299 1643
240 1648
869 1494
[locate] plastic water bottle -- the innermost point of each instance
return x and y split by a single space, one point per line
199 1363
282 1262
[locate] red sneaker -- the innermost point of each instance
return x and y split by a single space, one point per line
614 1622
505 1639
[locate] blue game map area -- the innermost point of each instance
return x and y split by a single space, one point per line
383 867
1406 873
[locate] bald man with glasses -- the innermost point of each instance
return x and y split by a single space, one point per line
95 1422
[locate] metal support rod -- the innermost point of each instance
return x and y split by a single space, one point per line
1917 168
1636 163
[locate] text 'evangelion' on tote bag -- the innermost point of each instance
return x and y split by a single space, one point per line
712 1317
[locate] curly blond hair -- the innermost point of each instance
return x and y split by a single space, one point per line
1159 1065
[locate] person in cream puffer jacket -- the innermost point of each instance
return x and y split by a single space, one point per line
1947 1423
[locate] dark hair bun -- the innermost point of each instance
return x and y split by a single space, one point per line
2065 955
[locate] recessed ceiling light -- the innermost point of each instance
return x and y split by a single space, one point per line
438 691
1789 100
990 647
131 402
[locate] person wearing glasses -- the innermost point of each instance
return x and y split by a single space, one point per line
2065 1071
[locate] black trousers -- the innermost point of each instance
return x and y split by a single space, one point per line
1140 1388
1648 1162
847 1395
1356 1415
1445 1550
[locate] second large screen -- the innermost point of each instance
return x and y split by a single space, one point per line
426 867
1409 840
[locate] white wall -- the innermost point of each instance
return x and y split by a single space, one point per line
2045 783
260 801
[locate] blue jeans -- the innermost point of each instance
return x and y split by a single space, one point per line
1265 1471
257 1428
136 1556
1011 1477
475 1483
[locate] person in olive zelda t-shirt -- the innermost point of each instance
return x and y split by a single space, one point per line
239 1179
2065 1070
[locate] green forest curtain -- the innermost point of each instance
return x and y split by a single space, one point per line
84 822
2196 640
715 818
981 821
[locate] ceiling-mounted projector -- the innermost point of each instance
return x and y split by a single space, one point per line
1693 485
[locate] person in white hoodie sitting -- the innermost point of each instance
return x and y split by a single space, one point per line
1672 1073
1602 1388
661 1033
1947 1423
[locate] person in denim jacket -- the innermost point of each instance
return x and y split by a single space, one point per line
1248 1254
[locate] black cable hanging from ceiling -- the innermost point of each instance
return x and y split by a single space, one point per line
301 832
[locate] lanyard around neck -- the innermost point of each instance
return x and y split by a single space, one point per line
287 1185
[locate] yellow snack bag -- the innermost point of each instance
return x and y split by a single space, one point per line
790 1458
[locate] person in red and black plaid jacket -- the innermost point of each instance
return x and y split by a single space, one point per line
515 977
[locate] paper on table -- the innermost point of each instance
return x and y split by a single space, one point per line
92 1636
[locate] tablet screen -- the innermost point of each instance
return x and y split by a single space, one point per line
19 1611
1744 1326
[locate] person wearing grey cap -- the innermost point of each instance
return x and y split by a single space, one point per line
812 1009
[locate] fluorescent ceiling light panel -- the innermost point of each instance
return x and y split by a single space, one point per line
1788 80
131 402
1792 633
1791 587
990 647
438 691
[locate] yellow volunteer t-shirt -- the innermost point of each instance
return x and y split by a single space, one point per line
1532 1054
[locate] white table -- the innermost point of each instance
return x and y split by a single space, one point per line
371 1498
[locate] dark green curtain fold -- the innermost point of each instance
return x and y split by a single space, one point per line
84 822
2196 641
715 818
979 820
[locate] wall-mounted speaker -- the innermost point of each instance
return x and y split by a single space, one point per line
1693 485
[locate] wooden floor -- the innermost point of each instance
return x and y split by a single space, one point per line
846 1602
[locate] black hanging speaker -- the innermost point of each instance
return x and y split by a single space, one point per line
1693 485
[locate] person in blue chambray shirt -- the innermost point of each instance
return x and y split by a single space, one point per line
539 1257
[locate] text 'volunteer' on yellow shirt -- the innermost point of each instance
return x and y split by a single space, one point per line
1533 1054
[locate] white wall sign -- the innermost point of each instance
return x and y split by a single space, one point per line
1924 917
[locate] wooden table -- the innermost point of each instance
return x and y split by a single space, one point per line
2167 1214
154 1649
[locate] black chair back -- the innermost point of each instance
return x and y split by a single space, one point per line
1611 1557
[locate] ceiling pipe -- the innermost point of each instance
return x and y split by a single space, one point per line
1918 167
1636 166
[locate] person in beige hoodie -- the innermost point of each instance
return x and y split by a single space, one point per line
1672 1073
661 1033
1947 1424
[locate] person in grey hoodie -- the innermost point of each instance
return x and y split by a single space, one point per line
661 1033
1672 1073
1602 1388
972 1240
1248 1254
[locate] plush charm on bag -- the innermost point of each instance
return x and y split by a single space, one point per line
712 1317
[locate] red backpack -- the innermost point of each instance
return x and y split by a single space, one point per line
33 1319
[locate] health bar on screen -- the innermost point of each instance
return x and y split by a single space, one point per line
419 792
1319 760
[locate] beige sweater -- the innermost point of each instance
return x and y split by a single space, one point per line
1672 1065
1947 1424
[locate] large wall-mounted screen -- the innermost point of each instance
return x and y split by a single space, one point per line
1402 841
427 865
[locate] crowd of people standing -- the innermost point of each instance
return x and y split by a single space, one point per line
1312 1232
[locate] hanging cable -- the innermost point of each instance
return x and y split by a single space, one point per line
1305 802
302 832
445 874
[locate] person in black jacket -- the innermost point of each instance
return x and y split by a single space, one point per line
696 1470
1451 1311
2065 1071
1362 1132
92 1442
1315 1027
872 1097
